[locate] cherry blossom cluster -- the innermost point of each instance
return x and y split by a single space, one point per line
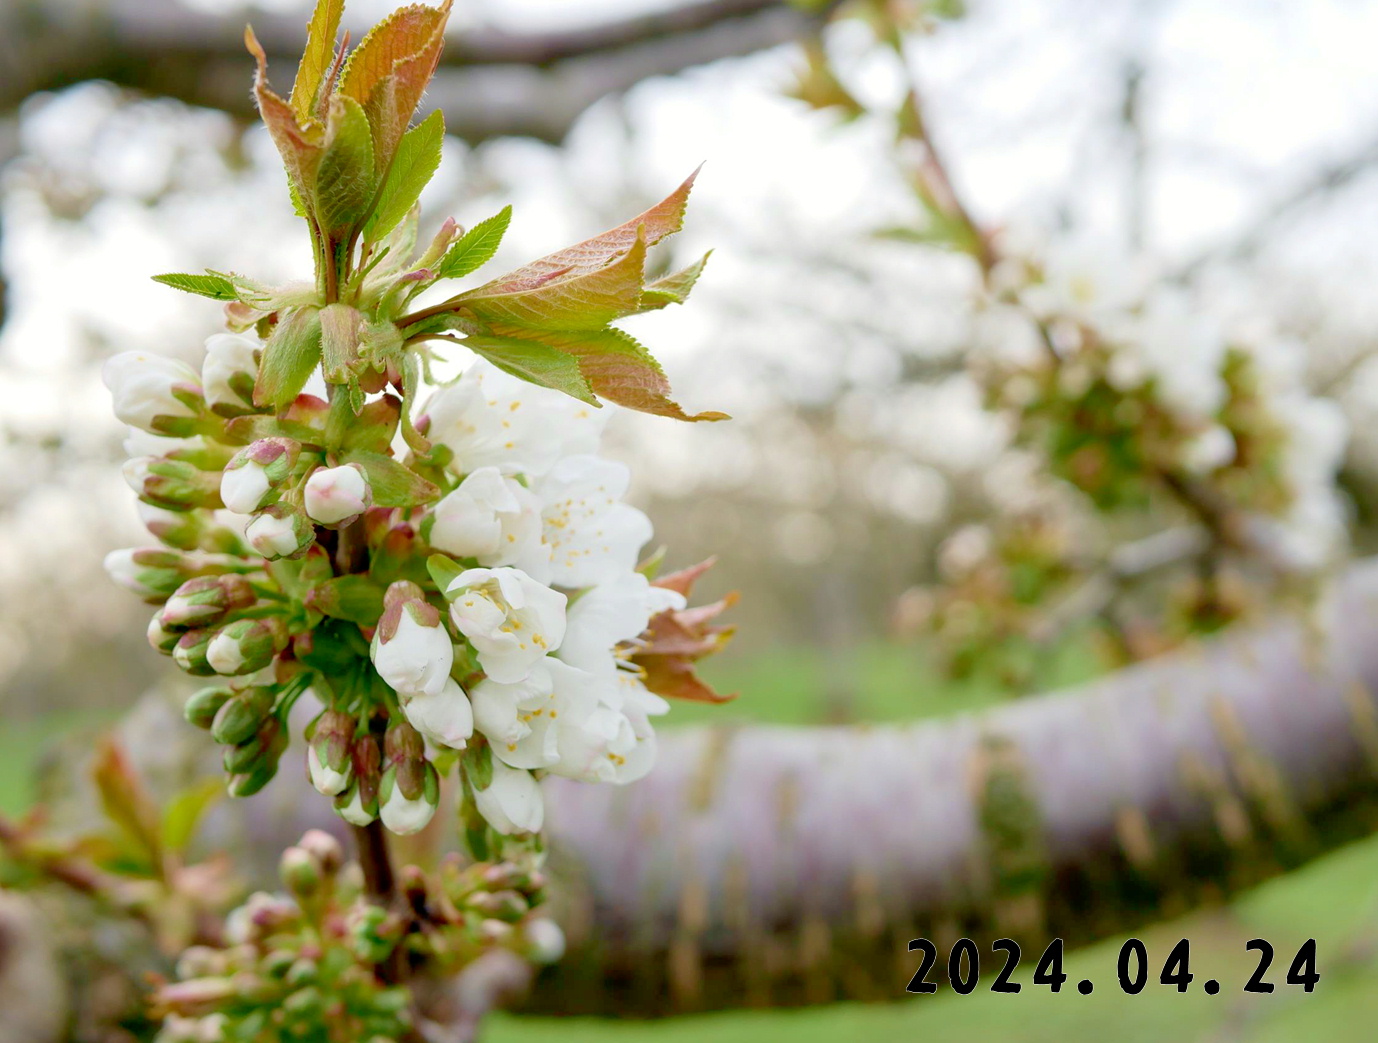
480 605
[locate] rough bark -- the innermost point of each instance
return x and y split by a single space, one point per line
774 866
491 83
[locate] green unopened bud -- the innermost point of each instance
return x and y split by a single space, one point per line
190 652
181 529
277 963
176 485
246 785
266 744
151 572
358 805
246 646
280 531
303 1002
371 932
302 971
197 995
301 873
255 473
494 932
240 717
206 600
201 709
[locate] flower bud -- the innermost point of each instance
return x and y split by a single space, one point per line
202 708
501 905
337 495
358 805
241 716
446 718
328 757
256 471
410 788
246 646
180 529
325 848
160 637
545 942
151 390
190 652
175 485
228 373
206 599
261 744
411 648
494 932
280 531
300 872
150 572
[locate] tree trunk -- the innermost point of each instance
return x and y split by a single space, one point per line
773 866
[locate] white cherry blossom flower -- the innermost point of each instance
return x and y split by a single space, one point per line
590 534
491 518
608 615
490 419
511 620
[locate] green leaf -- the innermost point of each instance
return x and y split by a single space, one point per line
673 288
346 178
216 287
183 814
393 485
534 362
443 570
417 159
621 370
288 358
317 58
476 248
356 599
581 300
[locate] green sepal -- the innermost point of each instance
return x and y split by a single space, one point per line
372 429
339 342
478 764
443 570
356 599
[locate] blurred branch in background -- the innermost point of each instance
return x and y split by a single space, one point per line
499 83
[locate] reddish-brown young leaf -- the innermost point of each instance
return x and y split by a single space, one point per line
390 69
301 151
661 220
676 639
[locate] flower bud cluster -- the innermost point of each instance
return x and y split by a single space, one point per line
304 964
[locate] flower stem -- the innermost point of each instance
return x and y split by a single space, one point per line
379 880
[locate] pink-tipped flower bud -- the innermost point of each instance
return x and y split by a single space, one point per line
151 392
411 648
190 652
328 757
280 531
160 637
325 848
228 372
337 495
206 600
246 646
253 475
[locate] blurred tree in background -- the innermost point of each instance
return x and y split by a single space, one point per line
1047 332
